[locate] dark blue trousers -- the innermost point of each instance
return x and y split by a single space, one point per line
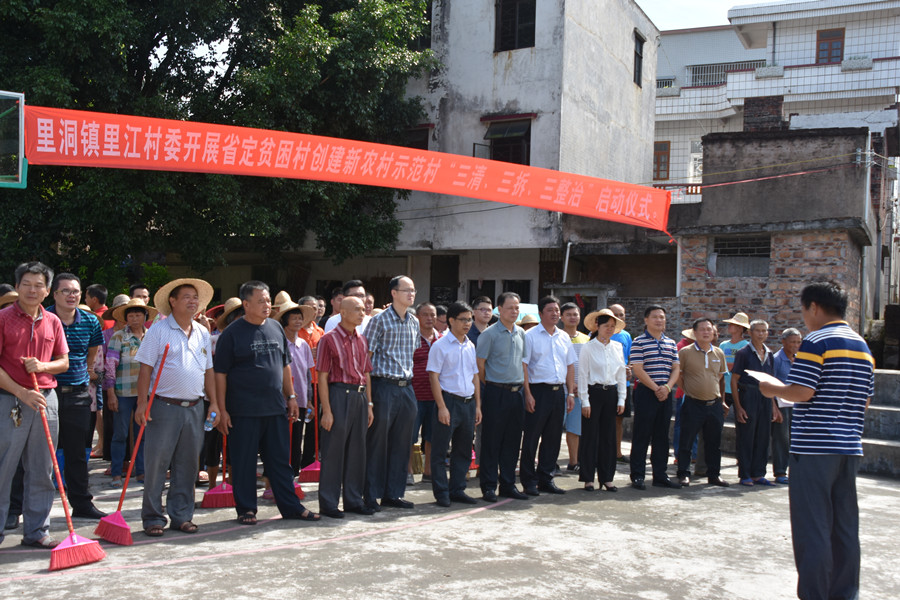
268 438
502 419
697 416
457 437
651 426
753 436
388 440
542 426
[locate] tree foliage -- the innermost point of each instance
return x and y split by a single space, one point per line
337 68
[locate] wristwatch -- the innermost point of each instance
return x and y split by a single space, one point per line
292 397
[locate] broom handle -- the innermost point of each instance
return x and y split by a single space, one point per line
316 415
224 462
140 435
59 481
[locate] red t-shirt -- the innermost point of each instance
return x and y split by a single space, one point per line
23 337
344 356
420 382
312 338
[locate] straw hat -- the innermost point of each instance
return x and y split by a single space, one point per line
528 320
118 301
282 298
740 319
590 321
161 298
688 333
86 309
231 305
118 313
8 298
214 312
308 312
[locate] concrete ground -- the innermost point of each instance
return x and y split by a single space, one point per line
697 543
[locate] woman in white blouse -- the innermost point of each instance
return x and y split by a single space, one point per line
601 389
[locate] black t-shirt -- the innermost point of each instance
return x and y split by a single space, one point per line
253 358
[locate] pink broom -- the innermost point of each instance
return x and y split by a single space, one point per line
221 496
73 551
113 528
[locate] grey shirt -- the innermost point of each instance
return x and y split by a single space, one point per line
503 352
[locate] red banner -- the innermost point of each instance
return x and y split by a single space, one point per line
88 139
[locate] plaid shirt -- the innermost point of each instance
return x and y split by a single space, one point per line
121 367
392 343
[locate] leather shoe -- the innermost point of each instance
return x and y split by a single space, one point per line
334 513
445 502
366 511
532 491
638 484
373 505
717 481
513 493
89 513
489 496
667 483
12 522
397 503
551 488
463 498
684 481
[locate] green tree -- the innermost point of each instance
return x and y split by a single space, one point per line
337 68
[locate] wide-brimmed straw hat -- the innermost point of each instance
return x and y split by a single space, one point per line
282 299
590 321
308 312
231 305
688 333
528 319
740 319
204 291
214 312
8 298
118 301
118 313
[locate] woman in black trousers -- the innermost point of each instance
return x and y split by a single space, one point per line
601 388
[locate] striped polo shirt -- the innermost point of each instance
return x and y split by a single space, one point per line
84 333
834 361
656 356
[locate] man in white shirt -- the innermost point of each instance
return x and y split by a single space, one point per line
353 289
549 371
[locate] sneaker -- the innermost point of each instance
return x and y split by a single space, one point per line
410 480
573 468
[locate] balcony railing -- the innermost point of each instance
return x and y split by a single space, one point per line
682 193
717 74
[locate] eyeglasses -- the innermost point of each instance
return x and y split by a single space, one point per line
464 321
68 292
409 291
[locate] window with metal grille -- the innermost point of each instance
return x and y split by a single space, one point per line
741 256
829 46
638 57
515 24
661 160
510 141
717 73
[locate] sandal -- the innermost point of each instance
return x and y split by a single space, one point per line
763 481
45 543
116 483
154 531
306 515
747 482
186 527
248 518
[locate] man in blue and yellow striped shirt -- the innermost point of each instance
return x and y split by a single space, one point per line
831 381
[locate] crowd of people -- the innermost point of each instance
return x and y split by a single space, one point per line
479 384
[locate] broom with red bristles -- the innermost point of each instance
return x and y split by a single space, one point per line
73 551
113 528
310 473
221 496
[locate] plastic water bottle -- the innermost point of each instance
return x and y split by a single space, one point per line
308 414
208 425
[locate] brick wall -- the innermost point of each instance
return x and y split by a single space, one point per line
796 259
764 113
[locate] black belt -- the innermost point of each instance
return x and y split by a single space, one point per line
511 387
397 382
68 389
553 386
602 386
178 402
703 402
350 387
463 399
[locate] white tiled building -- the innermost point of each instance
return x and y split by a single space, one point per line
835 62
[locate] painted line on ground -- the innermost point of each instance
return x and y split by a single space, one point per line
190 559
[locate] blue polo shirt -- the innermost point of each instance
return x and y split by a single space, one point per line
656 356
84 333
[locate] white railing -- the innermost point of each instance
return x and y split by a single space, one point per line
717 74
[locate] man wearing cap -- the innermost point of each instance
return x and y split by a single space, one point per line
32 341
120 382
84 337
702 370
353 288
500 351
738 325
345 392
392 335
654 360
453 374
257 401
549 370
174 434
